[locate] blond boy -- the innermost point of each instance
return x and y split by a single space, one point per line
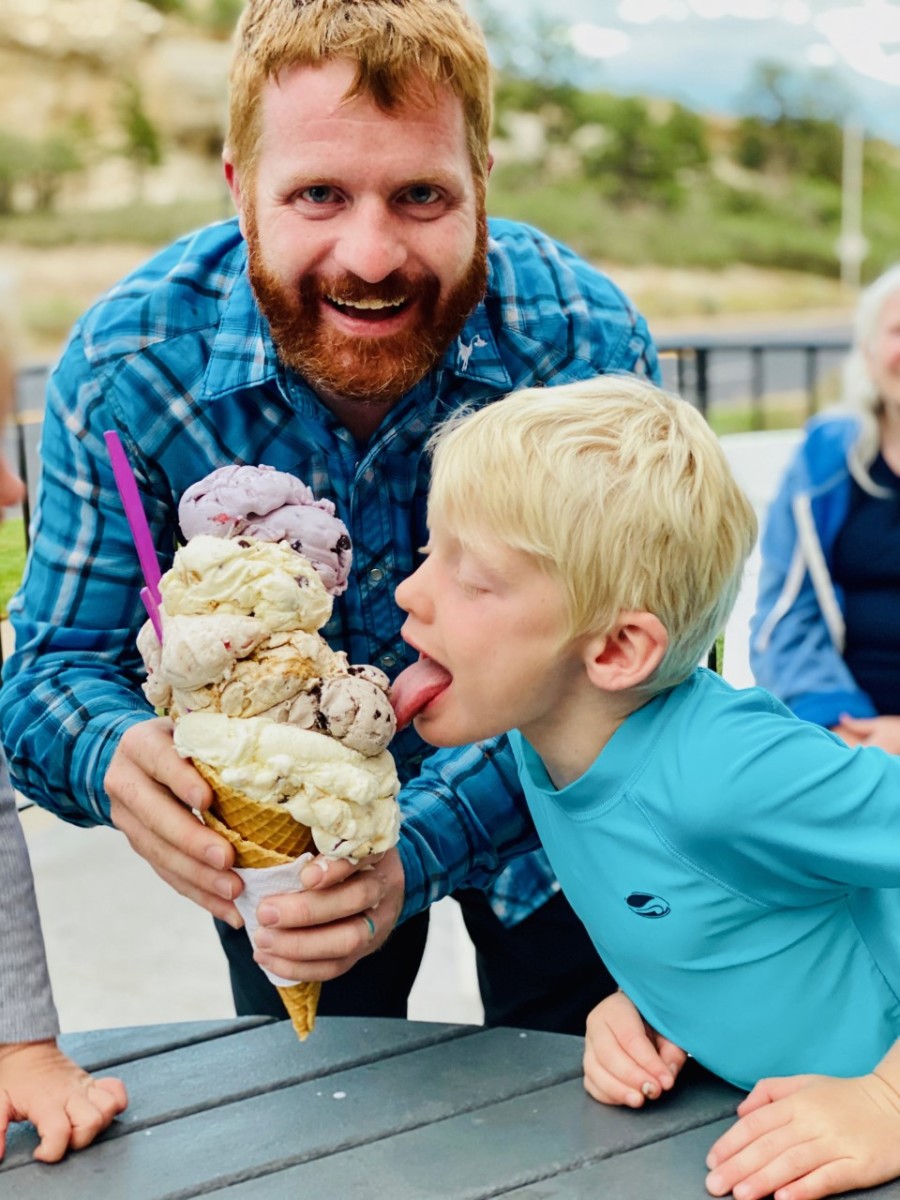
736 868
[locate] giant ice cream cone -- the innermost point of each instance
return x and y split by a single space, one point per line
263 836
290 736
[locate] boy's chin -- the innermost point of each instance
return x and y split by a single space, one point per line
430 731
440 734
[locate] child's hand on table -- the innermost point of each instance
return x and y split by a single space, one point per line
39 1083
625 1060
806 1136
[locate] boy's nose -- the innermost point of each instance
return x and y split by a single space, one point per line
370 245
411 594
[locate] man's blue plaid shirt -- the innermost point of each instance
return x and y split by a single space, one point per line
178 359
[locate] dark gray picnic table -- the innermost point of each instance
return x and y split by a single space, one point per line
240 1110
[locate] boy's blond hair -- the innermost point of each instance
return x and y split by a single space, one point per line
620 490
395 44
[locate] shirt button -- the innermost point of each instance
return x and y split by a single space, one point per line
376 575
388 660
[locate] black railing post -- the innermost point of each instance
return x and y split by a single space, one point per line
702 379
812 382
758 417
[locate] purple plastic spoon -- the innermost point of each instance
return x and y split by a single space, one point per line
137 523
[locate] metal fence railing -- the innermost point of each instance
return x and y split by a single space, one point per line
719 375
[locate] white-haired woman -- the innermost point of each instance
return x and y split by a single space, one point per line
825 636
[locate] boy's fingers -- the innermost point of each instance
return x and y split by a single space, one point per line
604 1086
54 1130
767 1091
641 1051
749 1129
116 1089
672 1056
6 1116
621 1076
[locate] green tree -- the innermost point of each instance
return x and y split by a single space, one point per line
642 159
794 123
141 141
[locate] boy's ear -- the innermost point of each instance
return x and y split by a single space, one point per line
629 654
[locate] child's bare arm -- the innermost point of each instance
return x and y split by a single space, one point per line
807 1136
39 1083
625 1060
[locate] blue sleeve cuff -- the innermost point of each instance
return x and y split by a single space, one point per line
828 708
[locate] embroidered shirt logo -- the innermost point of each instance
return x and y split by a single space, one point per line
645 905
466 348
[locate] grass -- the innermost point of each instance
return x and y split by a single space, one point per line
12 560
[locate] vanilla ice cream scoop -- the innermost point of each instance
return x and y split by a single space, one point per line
271 506
347 799
265 580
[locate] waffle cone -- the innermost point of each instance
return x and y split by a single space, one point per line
263 836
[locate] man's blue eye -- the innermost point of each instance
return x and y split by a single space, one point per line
422 193
319 194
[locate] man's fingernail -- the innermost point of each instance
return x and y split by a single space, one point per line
225 887
314 872
195 797
235 920
215 856
667 1081
635 1099
264 939
267 915
713 1183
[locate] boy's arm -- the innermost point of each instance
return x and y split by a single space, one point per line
68 1107
626 1061
806 1136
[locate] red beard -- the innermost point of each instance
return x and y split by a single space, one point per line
376 369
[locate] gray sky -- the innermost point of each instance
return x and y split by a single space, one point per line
702 52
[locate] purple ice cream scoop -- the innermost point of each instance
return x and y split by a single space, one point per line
271 506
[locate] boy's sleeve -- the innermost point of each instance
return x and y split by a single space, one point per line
72 686
797 815
791 650
464 820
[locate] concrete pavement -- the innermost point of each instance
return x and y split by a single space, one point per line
124 949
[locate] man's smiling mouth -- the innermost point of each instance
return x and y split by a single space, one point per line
372 308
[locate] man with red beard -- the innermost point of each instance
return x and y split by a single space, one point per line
360 297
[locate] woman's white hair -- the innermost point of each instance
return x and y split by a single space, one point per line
860 391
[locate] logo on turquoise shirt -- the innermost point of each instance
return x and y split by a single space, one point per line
645 905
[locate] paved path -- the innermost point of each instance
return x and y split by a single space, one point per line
124 949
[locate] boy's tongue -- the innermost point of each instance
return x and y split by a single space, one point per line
417 686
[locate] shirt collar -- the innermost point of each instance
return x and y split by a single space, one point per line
243 354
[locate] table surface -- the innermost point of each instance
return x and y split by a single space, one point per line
240 1110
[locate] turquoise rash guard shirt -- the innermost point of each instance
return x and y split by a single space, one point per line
739 872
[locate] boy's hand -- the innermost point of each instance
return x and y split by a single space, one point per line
345 913
39 1083
625 1060
807 1136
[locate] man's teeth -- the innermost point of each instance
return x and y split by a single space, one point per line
374 303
